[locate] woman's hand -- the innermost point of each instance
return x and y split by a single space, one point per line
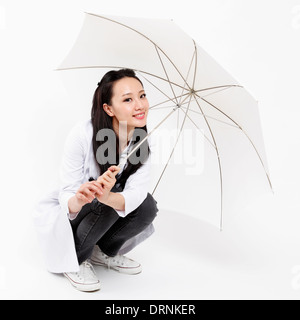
99 189
88 191
85 194
107 182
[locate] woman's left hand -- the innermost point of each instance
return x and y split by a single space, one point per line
107 181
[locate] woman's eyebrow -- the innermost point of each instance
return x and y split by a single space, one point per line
128 94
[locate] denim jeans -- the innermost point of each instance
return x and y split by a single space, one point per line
99 224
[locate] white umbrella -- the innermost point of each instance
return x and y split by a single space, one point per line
188 89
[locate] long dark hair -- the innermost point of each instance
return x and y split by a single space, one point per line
101 120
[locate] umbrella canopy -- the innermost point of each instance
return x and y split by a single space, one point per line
189 90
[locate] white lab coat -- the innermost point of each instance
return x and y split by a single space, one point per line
51 215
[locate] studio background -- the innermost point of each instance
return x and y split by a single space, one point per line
257 256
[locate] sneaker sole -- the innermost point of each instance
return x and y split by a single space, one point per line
84 287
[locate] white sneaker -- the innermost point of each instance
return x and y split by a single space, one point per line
85 280
118 263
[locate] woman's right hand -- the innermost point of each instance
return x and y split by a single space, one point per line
85 194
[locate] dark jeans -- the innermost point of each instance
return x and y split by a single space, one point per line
98 224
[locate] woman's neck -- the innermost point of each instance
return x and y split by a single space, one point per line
123 132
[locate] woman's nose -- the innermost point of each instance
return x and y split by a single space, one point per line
138 104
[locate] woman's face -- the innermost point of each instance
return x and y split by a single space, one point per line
129 104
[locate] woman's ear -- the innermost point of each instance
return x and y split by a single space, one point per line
108 110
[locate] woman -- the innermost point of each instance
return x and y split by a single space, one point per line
109 207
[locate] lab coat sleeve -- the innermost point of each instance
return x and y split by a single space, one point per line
72 168
136 190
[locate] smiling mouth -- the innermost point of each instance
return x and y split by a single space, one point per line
140 116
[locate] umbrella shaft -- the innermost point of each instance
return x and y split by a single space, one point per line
149 134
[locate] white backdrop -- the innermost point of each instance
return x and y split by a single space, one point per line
258 42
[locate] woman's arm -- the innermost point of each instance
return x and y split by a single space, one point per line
85 194
114 200
72 167
107 181
137 187
75 192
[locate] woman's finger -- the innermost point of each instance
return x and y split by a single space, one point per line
82 197
114 169
96 188
109 174
107 184
96 184
90 195
107 179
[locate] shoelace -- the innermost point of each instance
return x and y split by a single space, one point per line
87 268
118 259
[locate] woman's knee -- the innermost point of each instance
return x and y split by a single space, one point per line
149 209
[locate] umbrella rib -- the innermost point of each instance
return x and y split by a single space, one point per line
177 106
149 134
190 67
205 136
219 162
233 125
160 108
119 67
158 77
159 104
262 163
220 90
143 35
160 59
169 99
179 134
183 103
219 87
229 124
196 64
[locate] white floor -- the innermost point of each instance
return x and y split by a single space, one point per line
256 257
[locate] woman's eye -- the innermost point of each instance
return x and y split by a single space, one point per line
128 100
143 96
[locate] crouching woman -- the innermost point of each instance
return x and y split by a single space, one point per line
103 208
